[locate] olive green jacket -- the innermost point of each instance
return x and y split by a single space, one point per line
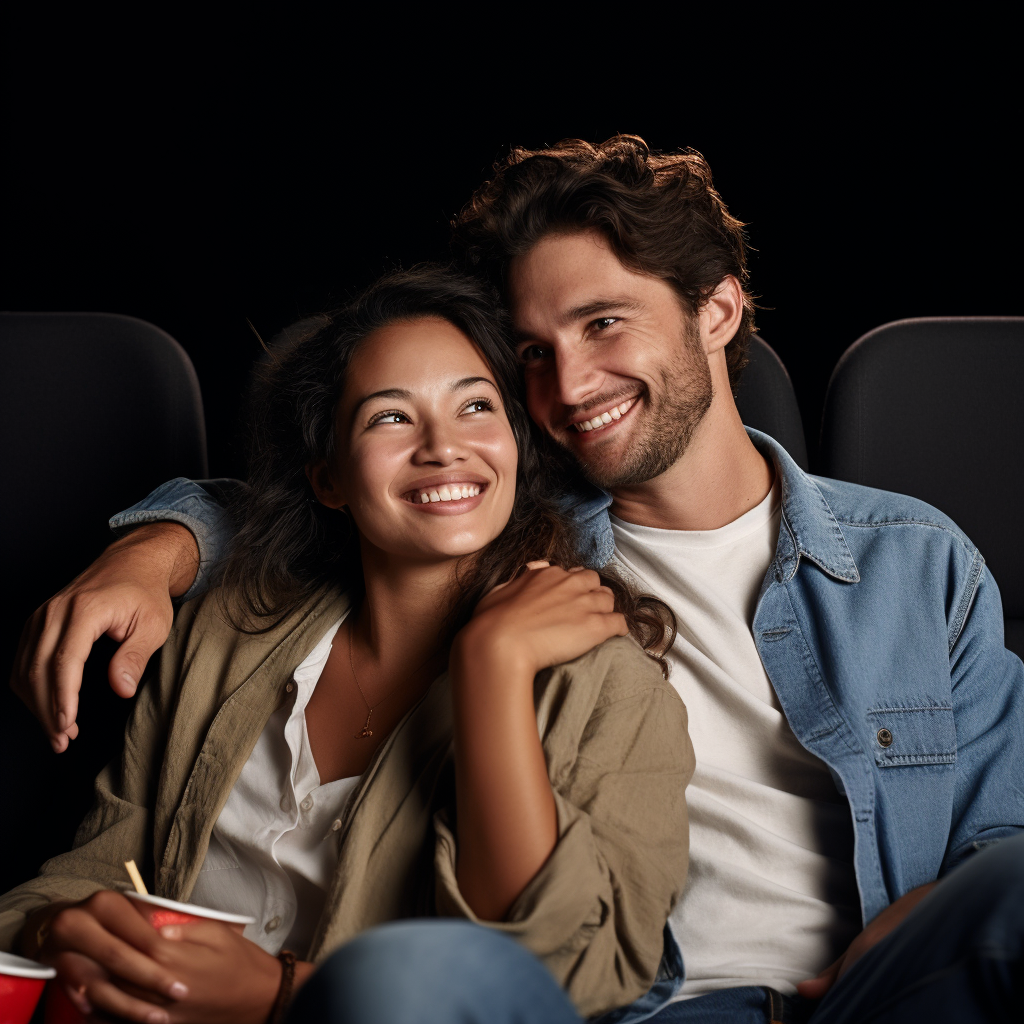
619 758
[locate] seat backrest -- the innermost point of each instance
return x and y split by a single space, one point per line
767 402
934 408
95 410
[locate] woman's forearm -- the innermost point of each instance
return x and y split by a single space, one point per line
506 819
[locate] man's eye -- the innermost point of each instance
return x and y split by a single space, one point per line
531 353
604 322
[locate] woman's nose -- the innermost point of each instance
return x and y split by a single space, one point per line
440 446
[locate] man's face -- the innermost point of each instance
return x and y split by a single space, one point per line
613 364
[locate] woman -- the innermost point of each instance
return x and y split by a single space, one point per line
306 756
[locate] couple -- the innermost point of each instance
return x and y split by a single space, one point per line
854 715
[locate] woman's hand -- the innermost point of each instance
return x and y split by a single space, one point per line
544 617
507 821
108 958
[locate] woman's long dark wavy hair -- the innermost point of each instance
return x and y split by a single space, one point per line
288 547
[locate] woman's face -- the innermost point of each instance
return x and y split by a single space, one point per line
426 458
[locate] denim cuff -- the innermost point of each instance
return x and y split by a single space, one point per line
187 502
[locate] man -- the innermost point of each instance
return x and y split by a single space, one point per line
856 721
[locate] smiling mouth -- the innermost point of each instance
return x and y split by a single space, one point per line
446 492
605 418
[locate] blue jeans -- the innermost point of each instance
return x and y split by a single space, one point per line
958 956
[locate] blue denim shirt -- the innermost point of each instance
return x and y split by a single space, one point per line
882 633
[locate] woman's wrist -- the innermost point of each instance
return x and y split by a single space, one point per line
479 653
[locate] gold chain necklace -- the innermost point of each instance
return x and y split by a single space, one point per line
366 731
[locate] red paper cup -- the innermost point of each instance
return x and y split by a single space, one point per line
59 1008
160 912
21 985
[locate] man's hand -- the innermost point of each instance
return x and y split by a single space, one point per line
126 594
879 928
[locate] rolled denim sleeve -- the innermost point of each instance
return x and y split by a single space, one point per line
988 702
197 505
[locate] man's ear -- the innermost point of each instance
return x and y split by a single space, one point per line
326 489
721 315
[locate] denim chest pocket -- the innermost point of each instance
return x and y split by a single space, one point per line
912 735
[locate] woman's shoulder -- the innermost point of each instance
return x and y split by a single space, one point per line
615 670
214 631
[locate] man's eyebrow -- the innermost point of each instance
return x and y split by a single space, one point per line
588 309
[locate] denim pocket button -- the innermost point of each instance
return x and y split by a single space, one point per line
884 737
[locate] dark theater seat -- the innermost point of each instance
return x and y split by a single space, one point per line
95 410
934 407
767 402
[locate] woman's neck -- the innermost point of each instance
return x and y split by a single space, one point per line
399 624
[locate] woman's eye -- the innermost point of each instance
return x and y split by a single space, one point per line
389 417
479 405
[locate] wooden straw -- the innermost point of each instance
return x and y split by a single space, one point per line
133 873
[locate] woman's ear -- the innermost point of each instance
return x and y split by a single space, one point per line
325 487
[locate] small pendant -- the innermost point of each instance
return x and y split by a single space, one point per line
366 730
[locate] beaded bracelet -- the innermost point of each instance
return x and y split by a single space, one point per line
284 992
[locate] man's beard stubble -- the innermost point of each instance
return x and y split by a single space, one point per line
669 422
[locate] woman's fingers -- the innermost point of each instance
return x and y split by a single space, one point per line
108 930
214 934
90 988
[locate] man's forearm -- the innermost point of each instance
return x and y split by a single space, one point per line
169 548
196 505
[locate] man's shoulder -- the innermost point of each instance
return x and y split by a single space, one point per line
856 506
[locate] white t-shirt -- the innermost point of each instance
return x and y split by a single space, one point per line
274 848
771 896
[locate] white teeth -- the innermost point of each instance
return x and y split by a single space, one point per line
606 417
449 492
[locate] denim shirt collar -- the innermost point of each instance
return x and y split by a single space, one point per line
809 529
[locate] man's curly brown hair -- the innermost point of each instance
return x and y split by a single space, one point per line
660 213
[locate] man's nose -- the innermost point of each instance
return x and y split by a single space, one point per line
576 376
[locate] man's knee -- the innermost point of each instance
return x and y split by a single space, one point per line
419 971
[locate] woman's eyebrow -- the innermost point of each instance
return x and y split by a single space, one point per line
468 382
386 393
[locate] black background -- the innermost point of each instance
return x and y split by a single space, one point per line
202 176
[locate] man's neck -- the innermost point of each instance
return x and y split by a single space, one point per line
720 477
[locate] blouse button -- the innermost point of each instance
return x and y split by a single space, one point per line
884 738
288 687
307 803
336 824
273 923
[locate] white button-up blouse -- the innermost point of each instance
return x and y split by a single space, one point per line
274 848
